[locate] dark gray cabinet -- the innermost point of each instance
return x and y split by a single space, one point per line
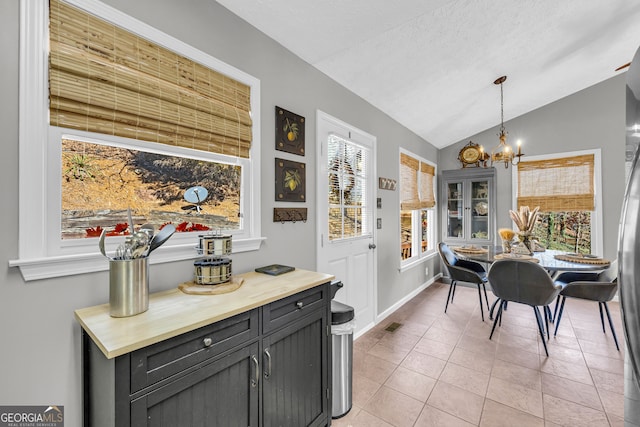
218 394
269 366
295 388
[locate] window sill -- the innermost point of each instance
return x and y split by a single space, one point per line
69 265
415 262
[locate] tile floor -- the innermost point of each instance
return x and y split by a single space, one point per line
441 369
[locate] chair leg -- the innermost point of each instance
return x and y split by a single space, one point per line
486 298
601 316
555 311
559 316
540 328
547 315
498 317
480 298
454 291
613 331
453 283
493 306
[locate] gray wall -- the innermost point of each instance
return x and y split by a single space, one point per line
592 118
40 353
39 359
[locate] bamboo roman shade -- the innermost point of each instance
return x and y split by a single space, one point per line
107 80
557 185
416 184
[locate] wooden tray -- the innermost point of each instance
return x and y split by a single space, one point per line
192 288
522 257
470 250
582 259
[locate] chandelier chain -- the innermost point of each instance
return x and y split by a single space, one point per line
503 153
501 110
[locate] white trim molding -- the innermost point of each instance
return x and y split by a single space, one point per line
41 253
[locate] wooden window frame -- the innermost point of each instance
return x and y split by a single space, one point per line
39 255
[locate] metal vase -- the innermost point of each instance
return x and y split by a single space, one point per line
128 286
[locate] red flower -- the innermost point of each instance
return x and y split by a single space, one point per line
199 227
94 232
182 227
121 228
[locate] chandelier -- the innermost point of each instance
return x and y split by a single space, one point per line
503 151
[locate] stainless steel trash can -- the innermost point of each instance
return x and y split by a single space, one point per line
342 326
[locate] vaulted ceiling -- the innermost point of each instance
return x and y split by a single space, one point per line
431 64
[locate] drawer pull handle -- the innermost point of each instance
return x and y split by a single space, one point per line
267 371
256 372
208 342
299 304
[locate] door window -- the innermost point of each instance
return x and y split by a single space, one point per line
349 207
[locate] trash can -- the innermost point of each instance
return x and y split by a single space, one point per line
342 326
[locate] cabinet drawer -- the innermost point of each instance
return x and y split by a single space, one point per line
282 312
159 361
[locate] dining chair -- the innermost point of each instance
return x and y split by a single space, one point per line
461 270
523 282
600 287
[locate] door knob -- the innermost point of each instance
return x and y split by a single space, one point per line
372 245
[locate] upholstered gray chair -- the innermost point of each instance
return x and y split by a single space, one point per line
461 270
600 287
524 282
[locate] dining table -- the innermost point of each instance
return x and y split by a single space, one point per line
548 259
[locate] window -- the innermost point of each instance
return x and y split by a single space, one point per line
103 182
417 208
46 160
565 186
349 207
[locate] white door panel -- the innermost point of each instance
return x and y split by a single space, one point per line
345 209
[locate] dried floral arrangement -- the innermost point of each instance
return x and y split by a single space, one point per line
525 218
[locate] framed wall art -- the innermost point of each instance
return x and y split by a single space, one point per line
290 181
289 132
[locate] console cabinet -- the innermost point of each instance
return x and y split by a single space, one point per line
268 366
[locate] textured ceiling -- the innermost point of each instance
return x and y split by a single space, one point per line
430 64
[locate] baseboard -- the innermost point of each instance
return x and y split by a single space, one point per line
388 312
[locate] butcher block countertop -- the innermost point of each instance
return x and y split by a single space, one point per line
172 313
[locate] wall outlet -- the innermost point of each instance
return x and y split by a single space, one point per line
426 271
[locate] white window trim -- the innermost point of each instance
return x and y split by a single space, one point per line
424 256
597 247
37 259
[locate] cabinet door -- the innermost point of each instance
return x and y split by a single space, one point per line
480 210
295 374
455 210
222 393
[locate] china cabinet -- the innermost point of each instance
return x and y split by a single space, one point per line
468 201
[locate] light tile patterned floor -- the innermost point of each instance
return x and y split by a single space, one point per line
441 369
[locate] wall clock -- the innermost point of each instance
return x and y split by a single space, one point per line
471 155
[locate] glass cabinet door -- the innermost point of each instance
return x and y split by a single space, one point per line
480 210
455 210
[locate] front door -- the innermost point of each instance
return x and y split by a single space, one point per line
346 241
